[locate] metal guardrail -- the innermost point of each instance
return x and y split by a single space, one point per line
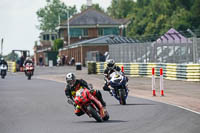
11 66
171 71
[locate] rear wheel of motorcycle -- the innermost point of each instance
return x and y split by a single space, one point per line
94 114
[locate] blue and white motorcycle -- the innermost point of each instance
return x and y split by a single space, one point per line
3 70
118 82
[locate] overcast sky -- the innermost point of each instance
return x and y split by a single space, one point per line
18 21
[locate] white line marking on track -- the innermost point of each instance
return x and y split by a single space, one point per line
174 105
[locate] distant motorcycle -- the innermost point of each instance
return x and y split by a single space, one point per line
118 82
29 70
91 105
3 70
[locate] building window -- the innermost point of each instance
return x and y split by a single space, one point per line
100 31
76 32
47 37
85 32
53 37
44 37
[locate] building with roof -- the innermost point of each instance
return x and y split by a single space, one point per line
44 47
172 36
88 31
98 46
91 24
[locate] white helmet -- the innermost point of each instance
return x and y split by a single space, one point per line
70 79
110 64
28 58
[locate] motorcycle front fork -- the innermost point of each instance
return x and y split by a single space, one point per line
115 94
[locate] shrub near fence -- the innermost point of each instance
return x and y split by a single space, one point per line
171 71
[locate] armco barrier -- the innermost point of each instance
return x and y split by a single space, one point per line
11 66
186 72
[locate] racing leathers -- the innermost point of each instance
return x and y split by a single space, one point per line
28 61
107 73
3 62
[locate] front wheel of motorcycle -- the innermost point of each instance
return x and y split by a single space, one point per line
29 77
2 76
94 114
122 99
105 118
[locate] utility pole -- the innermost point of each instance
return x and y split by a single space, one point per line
68 27
2 47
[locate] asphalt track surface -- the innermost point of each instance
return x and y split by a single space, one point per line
40 106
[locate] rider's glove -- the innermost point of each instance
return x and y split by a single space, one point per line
70 101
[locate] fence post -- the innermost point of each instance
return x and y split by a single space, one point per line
122 68
153 82
161 82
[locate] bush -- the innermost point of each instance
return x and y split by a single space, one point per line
58 43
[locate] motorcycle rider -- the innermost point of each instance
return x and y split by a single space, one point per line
74 85
28 60
2 61
111 67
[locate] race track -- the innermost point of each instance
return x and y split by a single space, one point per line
40 106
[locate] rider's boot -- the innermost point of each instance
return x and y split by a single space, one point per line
99 96
106 88
111 93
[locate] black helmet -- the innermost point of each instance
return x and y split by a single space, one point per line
111 64
70 79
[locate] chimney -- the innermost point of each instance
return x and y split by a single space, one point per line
89 3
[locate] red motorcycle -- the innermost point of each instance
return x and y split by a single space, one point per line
91 105
29 70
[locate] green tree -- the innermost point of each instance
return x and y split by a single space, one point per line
142 3
58 43
195 18
120 8
95 6
12 57
180 19
50 15
155 17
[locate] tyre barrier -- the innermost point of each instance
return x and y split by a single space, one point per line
171 71
11 66
91 67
